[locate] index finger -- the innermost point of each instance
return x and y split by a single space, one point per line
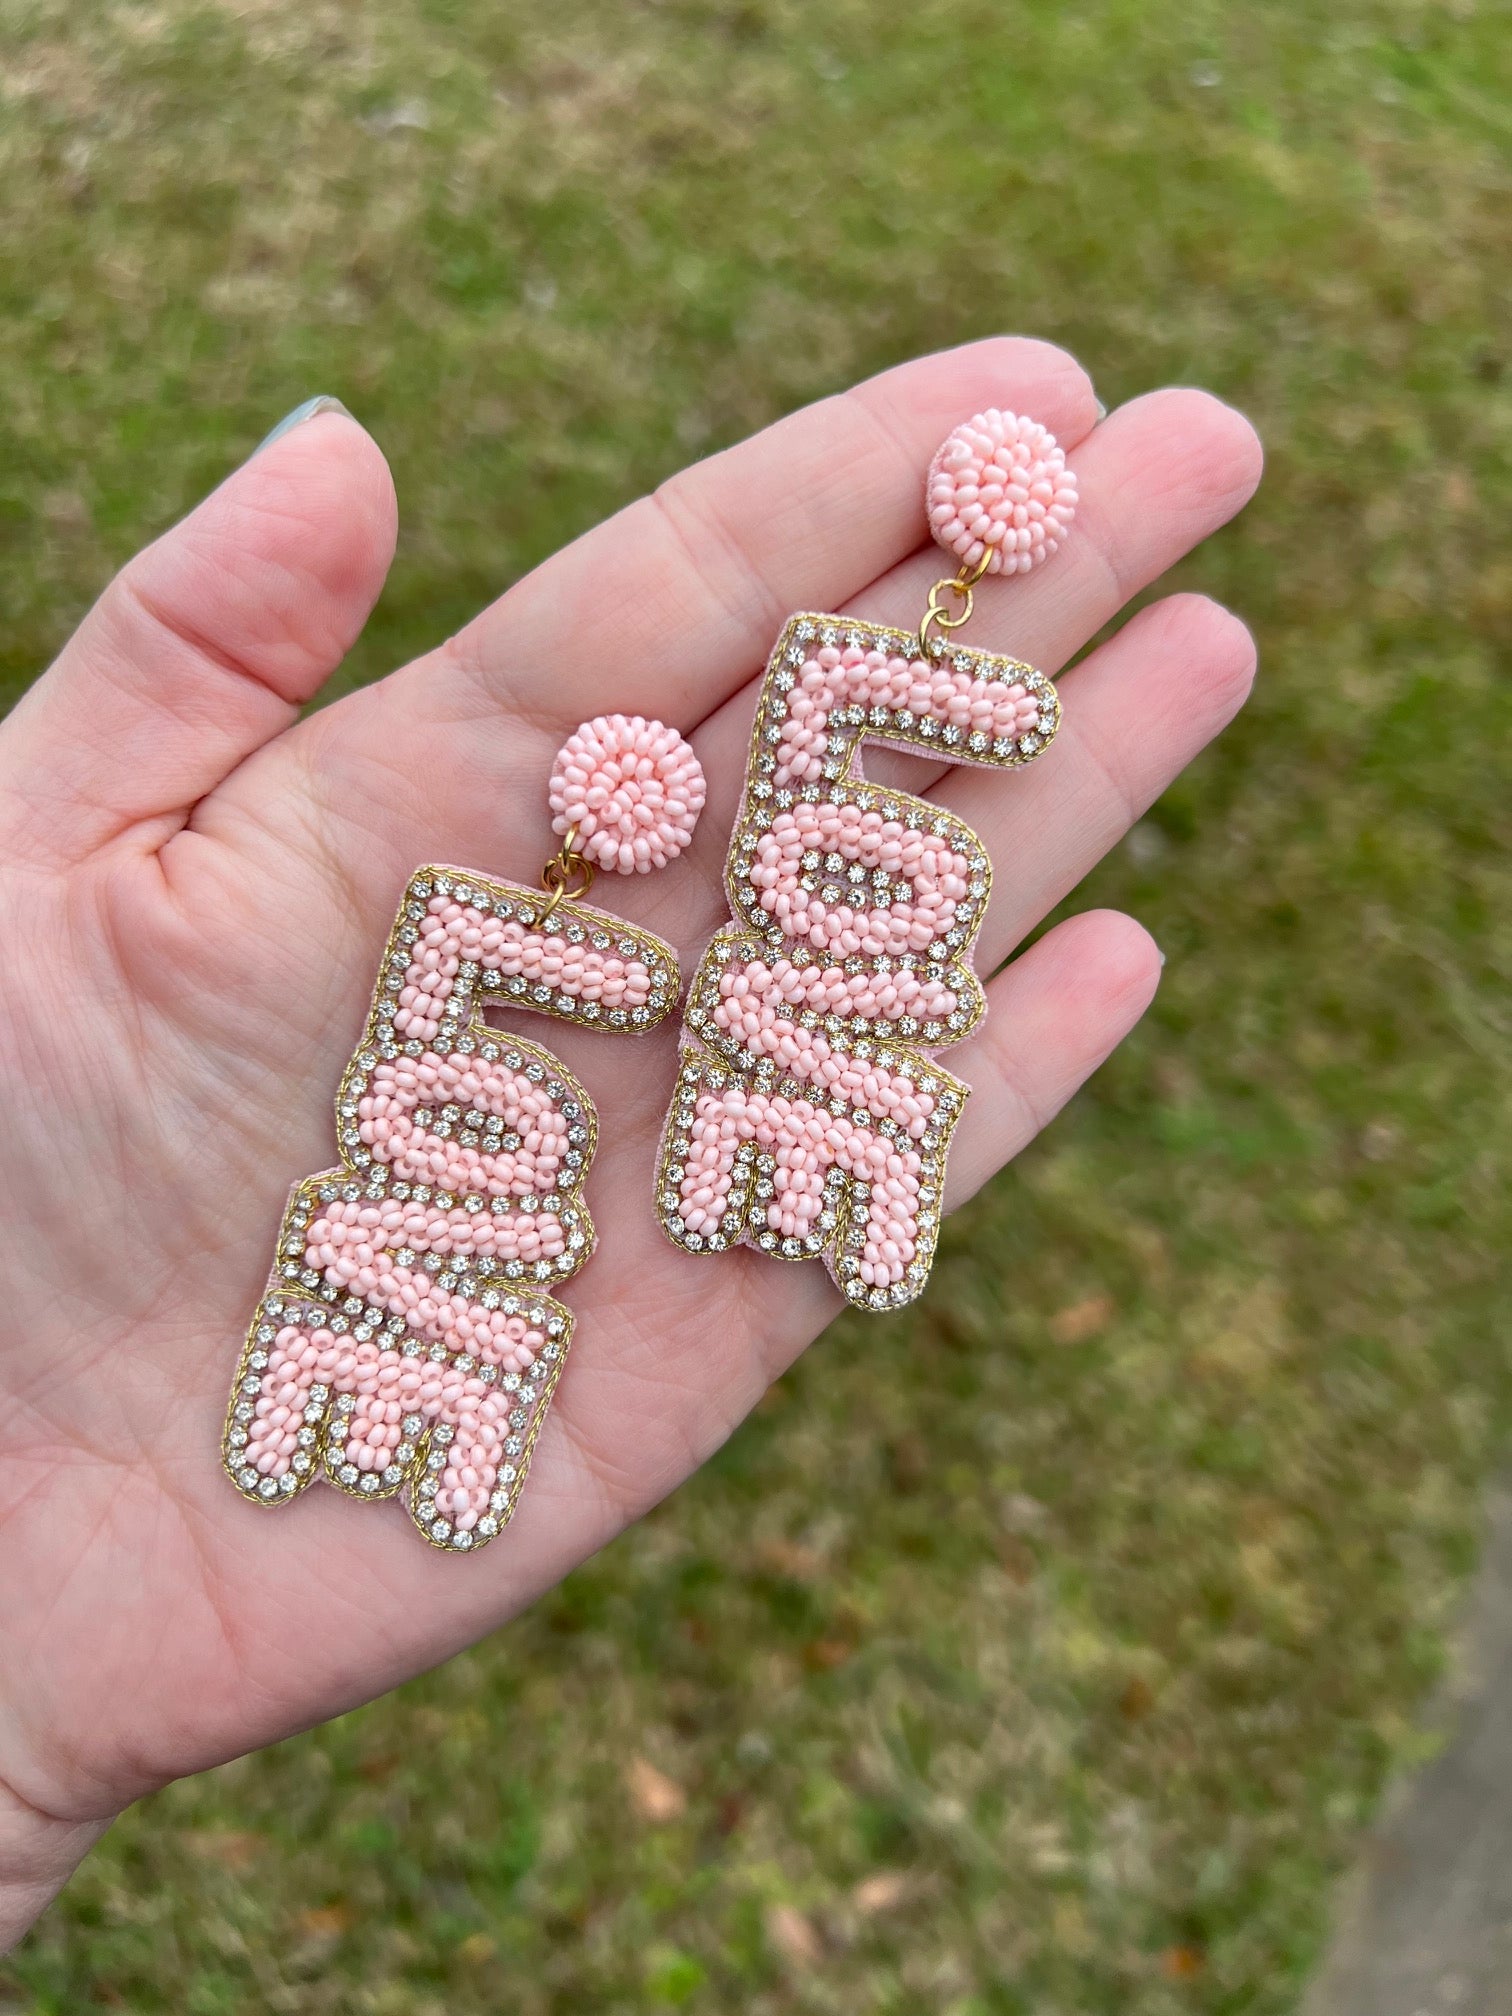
673 601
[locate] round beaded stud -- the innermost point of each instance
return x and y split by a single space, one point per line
628 791
999 493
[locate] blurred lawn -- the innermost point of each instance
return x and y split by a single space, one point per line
1042 1652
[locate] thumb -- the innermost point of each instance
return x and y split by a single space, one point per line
204 646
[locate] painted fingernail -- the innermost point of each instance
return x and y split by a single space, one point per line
321 403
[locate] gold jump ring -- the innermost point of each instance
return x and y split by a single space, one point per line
567 873
960 584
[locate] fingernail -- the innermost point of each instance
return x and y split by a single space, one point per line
321 403
1102 411
1160 955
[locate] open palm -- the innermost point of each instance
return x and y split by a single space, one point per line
196 889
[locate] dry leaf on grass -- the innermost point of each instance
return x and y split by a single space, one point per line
793 1936
1181 1963
1081 1320
230 1848
790 1558
823 1655
325 1921
655 1796
882 1892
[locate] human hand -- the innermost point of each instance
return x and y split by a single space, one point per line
197 885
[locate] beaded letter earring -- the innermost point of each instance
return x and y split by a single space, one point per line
809 1119
405 1344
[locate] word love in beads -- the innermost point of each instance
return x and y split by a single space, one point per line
406 1346
809 1119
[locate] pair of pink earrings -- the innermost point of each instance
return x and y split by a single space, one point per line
407 1343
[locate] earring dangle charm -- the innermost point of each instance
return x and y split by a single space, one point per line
406 1344
809 1118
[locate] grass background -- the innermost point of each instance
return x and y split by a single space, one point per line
1045 1649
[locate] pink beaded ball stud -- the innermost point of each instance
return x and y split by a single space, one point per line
999 494
811 1118
628 791
406 1344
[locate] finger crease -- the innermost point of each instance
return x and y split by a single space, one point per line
730 555
194 640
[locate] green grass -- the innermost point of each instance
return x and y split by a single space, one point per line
1010 1662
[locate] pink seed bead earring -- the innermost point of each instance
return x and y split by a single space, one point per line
809 1119
406 1345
